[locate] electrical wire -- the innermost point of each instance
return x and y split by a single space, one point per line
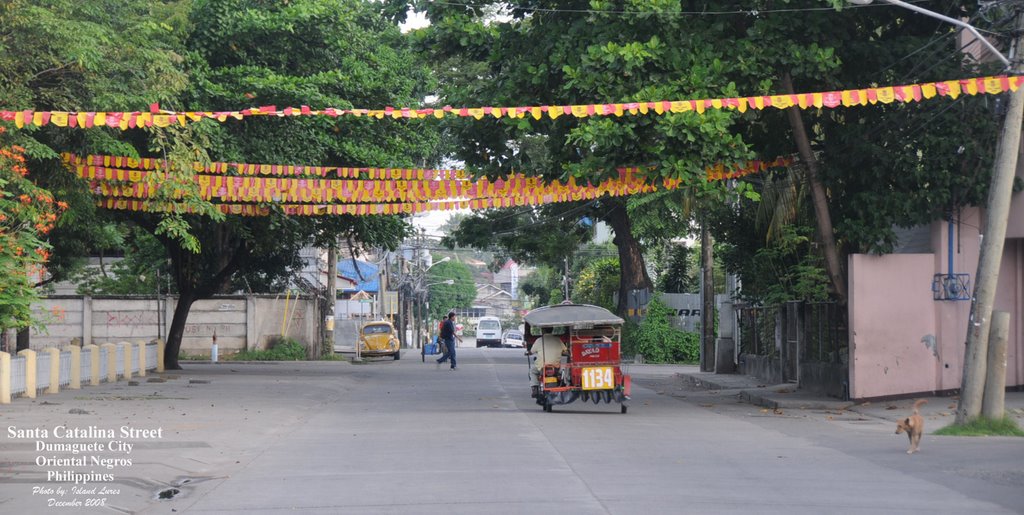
744 12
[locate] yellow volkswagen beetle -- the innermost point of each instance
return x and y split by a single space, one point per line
379 338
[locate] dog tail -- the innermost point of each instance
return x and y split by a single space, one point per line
918 403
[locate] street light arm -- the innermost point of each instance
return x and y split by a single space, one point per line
946 19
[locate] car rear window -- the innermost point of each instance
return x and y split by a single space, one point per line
489 324
513 334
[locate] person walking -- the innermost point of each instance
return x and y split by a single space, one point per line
448 336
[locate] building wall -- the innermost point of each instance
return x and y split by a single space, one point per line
904 342
1010 298
240 322
891 321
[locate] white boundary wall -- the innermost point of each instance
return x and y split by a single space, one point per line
240 322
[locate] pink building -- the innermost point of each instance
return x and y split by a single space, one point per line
902 340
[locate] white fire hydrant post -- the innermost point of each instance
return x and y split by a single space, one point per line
213 349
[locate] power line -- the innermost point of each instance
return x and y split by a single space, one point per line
744 12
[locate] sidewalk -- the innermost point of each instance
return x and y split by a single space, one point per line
789 397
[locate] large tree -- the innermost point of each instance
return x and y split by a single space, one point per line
863 170
306 52
67 55
567 52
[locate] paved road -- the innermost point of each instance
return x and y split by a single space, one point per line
405 437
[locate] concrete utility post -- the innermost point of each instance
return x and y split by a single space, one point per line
991 254
332 300
999 194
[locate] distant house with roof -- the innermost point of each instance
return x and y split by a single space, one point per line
507 278
359 293
361 276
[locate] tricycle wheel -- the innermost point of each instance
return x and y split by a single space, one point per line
547 407
624 408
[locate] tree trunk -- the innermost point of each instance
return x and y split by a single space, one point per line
197 282
826 234
24 339
631 260
707 312
177 330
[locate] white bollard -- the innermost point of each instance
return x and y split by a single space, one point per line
213 349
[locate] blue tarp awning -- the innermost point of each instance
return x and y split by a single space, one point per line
368 282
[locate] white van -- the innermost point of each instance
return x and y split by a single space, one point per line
488 332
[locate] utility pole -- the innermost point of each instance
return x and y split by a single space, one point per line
565 278
332 298
707 291
999 195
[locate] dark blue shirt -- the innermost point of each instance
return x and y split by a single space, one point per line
448 330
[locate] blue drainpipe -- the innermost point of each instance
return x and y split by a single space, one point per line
950 242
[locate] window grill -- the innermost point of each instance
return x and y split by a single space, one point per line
64 378
86 365
42 370
103 362
18 374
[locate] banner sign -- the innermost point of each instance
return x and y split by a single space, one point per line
826 99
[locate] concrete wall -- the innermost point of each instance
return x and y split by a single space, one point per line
765 368
1010 298
892 321
240 322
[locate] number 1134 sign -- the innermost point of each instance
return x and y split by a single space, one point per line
598 378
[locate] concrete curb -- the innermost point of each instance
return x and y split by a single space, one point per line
780 396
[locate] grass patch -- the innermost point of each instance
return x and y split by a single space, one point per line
983 427
279 349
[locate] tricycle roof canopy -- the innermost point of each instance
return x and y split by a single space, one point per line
576 315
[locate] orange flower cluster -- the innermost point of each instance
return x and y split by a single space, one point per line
27 214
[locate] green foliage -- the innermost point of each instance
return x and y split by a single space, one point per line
529 235
786 268
27 214
142 270
658 341
84 56
597 283
680 273
982 426
280 349
445 297
539 284
600 55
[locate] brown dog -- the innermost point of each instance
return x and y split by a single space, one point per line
914 426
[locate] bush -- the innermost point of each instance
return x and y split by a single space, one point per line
658 341
280 349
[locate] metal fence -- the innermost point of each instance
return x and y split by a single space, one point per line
819 328
757 332
825 333
18 376
43 370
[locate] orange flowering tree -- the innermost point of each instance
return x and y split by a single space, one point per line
27 214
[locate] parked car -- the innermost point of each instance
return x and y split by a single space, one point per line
488 332
512 338
379 338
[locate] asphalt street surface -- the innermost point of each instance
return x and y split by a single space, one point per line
405 436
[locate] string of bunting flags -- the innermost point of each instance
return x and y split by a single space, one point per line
129 183
157 117
123 168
